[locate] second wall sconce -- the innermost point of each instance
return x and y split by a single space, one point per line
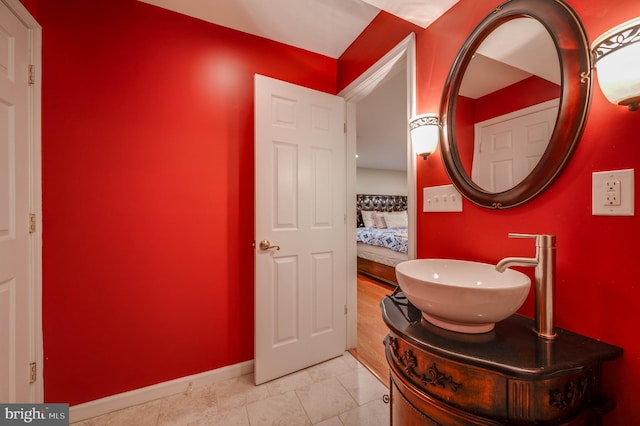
616 55
425 133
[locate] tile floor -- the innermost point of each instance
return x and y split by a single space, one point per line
337 392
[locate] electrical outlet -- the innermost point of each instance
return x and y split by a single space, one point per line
612 193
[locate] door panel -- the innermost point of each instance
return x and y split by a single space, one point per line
300 287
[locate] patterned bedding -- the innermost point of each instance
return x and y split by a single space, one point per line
391 238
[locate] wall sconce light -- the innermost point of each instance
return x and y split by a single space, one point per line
425 133
616 55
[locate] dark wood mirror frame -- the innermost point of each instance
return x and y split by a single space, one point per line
569 37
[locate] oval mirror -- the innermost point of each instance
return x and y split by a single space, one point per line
515 102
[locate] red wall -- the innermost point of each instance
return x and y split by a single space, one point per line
597 290
383 33
147 149
520 95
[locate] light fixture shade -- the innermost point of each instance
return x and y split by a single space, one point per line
425 133
617 59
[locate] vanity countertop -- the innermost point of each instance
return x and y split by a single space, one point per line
511 348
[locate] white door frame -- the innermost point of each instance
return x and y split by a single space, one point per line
35 191
354 92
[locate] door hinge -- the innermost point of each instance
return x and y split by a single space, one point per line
32 223
33 372
345 127
32 74
346 310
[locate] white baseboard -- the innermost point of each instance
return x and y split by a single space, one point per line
120 401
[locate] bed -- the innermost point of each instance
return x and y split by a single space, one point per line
381 235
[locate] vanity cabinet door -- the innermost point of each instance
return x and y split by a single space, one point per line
411 406
458 385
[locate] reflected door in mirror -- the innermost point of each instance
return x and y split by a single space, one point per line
507 148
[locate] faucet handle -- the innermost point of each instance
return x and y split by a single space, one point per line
516 235
542 240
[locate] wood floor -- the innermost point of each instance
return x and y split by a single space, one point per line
371 329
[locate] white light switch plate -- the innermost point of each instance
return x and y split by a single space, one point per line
612 193
443 198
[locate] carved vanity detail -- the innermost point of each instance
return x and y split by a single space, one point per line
506 376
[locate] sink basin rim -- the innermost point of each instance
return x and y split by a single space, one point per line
467 305
487 269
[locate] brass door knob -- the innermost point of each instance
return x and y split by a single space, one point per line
266 245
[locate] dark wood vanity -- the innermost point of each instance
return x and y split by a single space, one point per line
506 376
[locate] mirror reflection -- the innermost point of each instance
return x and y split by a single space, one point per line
507 104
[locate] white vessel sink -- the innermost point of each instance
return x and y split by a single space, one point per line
460 295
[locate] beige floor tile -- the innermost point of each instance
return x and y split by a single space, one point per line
284 409
183 409
233 417
363 386
333 421
333 367
351 361
238 392
375 413
288 383
326 399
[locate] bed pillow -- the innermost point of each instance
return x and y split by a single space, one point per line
396 219
378 220
367 218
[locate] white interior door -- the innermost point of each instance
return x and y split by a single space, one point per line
508 147
300 205
18 257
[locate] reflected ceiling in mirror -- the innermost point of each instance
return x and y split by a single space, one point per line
512 52
515 102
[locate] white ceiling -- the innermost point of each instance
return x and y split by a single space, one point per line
511 53
326 27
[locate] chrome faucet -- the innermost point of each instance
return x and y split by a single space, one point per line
545 274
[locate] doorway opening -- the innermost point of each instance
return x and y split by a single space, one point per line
397 69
